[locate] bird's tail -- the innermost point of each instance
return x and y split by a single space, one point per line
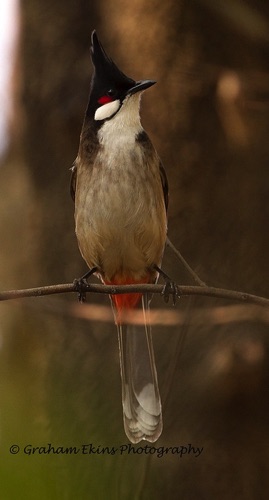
142 411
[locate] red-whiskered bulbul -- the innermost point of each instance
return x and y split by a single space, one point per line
121 195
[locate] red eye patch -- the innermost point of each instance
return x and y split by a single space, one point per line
105 99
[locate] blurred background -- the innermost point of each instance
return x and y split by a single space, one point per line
208 117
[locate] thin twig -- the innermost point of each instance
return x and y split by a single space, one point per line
186 290
185 263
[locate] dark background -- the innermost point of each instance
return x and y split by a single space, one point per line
208 118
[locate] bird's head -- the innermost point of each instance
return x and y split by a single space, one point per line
110 88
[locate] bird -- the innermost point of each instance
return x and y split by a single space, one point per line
120 190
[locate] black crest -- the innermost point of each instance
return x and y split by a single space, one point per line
105 70
108 82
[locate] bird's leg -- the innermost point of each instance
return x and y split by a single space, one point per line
169 288
80 282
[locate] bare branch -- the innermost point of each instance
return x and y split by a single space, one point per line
185 263
206 291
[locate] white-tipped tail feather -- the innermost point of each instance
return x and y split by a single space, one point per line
142 411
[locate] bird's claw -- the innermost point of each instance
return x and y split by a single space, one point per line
79 285
170 288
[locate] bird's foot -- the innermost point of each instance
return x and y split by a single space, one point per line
170 287
79 284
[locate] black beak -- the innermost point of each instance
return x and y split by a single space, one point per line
139 86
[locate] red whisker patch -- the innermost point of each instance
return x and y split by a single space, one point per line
105 99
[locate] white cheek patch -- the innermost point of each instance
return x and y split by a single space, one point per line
107 110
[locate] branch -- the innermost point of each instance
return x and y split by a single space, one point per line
206 291
183 261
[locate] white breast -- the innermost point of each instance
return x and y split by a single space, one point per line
123 127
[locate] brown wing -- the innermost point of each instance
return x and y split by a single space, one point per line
146 142
164 185
73 181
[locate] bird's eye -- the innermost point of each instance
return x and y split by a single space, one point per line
111 92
